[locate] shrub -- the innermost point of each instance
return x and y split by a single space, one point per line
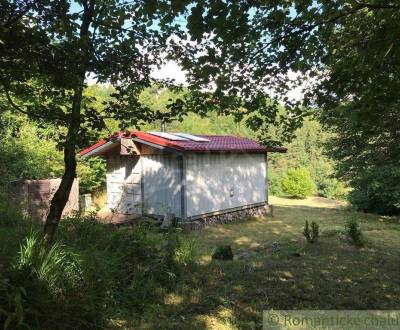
298 183
27 151
172 252
311 234
187 252
332 188
223 252
57 288
376 190
307 232
10 215
353 231
314 231
275 184
12 315
92 174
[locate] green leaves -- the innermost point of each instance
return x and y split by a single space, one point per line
195 23
15 317
374 189
298 183
92 174
27 151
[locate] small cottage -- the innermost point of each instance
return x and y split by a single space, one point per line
188 176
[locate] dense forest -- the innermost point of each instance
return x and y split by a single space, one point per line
30 150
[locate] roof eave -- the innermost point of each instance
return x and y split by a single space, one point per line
157 146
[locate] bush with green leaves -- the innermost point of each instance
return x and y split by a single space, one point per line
332 188
297 183
92 174
27 151
56 266
12 309
31 152
353 231
311 233
377 190
275 184
56 284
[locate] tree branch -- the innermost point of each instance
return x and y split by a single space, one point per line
376 6
333 19
311 27
25 112
19 15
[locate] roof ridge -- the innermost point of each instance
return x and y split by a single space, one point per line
216 143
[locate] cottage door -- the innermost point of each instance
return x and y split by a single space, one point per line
124 184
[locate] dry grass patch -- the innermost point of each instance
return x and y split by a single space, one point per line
275 268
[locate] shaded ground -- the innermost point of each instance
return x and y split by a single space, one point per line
277 269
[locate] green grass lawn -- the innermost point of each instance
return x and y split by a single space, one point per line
330 274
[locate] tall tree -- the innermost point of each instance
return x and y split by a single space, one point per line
345 57
49 49
360 100
240 57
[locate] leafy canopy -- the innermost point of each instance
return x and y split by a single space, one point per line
343 54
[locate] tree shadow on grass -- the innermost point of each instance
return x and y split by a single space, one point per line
330 274
323 278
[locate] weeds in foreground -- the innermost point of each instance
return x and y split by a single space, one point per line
58 267
92 274
353 231
311 234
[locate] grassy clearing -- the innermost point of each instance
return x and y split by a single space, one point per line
330 274
136 278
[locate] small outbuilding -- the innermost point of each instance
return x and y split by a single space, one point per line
188 176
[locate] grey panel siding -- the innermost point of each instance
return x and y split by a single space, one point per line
216 182
266 179
162 184
123 184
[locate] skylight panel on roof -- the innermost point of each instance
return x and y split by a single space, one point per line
191 137
168 136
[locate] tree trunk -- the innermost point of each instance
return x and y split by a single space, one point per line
61 196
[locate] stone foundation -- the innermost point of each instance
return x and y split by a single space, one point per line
228 217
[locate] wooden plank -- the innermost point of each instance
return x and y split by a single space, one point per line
222 181
128 147
141 185
183 187
124 184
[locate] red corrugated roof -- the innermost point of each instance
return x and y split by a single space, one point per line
216 143
101 142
